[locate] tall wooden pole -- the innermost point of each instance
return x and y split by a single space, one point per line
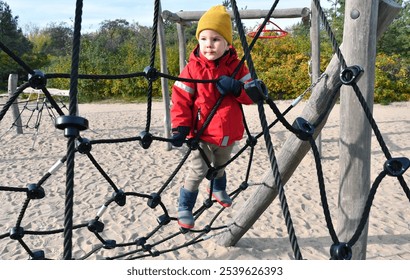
359 48
164 82
182 45
12 87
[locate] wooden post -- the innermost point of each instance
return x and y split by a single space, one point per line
359 48
294 150
315 56
12 87
164 82
182 46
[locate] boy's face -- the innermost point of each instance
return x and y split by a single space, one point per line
211 44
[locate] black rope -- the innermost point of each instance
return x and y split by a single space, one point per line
371 120
68 220
268 141
335 45
16 58
12 99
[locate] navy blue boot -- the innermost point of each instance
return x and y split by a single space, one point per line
186 203
219 191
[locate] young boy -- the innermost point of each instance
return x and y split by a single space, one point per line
213 58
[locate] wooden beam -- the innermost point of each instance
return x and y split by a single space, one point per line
294 150
187 16
164 82
315 56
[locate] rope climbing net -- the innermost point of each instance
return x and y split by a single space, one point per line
31 110
150 240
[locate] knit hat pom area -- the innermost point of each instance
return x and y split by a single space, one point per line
217 19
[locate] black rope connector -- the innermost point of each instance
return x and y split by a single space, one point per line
163 220
252 141
154 200
304 130
146 139
38 255
37 80
244 185
208 203
341 251
120 198
193 144
207 229
256 90
110 244
183 230
211 174
154 253
396 166
71 125
95 226
151 74
351 74
83 146
35 191
141 241
147 247
16 233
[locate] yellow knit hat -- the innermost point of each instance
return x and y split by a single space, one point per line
217 19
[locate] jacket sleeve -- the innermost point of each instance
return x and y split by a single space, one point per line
182 101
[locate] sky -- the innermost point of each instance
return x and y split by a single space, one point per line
42 13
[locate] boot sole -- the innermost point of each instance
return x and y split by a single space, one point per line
226 205
186 226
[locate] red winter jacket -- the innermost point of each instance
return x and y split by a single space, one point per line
192 103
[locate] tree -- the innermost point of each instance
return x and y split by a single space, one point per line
12 36
59 41
396 40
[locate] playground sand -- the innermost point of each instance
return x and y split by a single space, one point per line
26 158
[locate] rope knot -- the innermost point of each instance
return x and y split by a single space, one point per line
120 197
146 139
151 74
17 233
95 226
37 80
35 192
83 146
